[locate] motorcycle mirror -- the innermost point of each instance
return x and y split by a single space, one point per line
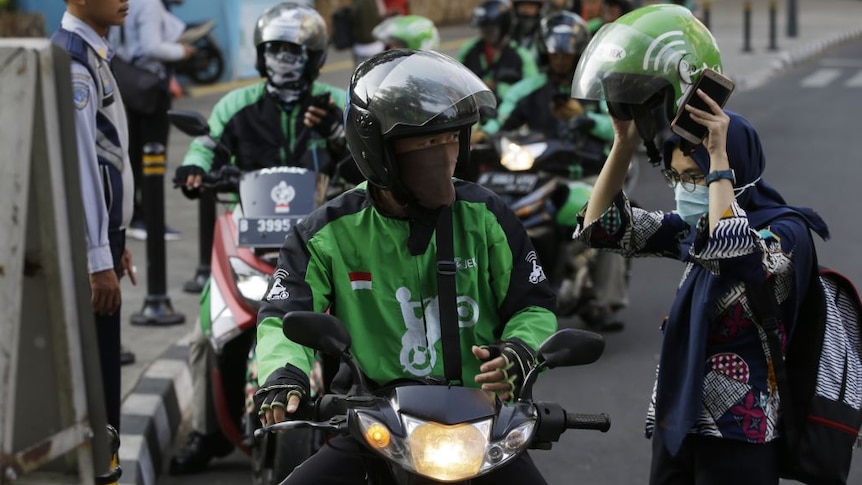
319 331
189 122
566 347
571 346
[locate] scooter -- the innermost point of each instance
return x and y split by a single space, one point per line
436 432
206 65
247 238
546 182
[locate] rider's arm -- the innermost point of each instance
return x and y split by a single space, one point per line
300 282
203 151
525 299
511 114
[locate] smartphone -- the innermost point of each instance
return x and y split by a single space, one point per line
717 87
320 101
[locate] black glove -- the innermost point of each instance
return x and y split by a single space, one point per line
182 174
279 386
519 360
330 125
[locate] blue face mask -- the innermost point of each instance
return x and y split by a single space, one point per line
691 205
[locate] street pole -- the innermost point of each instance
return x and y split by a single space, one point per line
792 24
157 308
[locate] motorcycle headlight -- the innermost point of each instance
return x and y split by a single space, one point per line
514 442
250 282
517 157
443 452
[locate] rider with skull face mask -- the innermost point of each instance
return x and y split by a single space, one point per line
271 123
290 118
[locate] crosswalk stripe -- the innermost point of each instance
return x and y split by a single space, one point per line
855 81
820 78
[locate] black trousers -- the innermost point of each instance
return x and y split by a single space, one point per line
343 461
705 460
108 337
143 129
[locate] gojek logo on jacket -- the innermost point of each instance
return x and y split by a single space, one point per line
422 320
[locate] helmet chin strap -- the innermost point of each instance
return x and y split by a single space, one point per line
645 124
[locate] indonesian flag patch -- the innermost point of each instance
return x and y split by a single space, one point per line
360 280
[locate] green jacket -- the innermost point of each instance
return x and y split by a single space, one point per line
258 133
378 274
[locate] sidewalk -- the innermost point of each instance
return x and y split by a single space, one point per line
157 388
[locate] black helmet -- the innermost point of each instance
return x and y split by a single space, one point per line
562 33
298 24
402 93
493 13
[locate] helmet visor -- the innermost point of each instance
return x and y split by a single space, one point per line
417 93
624 65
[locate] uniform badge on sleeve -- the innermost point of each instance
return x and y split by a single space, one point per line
80 94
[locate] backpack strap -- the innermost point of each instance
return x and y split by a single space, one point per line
450 334
76 47
765 307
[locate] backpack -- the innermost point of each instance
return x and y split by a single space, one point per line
819 379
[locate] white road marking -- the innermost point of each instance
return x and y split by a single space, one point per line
855 81
821 78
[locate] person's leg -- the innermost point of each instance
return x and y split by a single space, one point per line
666 469
205 440
108 337
520 470
720 462
610 291
342 461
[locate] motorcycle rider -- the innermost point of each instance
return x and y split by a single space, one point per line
407 32
369 257
493 56
271 123
527 16
543 105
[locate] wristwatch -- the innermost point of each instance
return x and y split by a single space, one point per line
728 174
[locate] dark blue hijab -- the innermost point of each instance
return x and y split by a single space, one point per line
683 355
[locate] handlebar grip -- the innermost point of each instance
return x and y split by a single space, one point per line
599 422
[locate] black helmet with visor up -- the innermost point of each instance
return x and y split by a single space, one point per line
403 93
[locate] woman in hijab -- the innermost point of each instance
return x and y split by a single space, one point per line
715 406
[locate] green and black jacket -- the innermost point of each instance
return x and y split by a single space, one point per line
378 274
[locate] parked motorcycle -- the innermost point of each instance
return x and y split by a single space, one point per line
261 207
436 432
206 64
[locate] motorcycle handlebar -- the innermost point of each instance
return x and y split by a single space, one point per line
598 422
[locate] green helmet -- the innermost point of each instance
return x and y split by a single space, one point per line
408 32
646 58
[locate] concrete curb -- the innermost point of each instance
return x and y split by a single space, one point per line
152 415
794 57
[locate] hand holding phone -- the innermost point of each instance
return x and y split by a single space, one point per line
717 87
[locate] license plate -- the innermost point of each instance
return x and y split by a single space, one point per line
509 183
265 231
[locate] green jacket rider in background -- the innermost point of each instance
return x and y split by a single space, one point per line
543 104
493 56
267 124
277 122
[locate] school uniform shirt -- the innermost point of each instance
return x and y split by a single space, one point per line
101 133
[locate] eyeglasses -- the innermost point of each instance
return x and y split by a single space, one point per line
687 180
